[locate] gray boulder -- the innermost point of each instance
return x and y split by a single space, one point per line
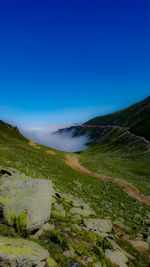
25 198
69 253
117 257
85 212
48 227
97 264
100 225
74 264
21 253
59 210
139 244
37 234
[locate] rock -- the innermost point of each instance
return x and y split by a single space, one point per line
78 227
25 198
129 256
89 260
77 202
117 257
67 229
37 234
58 207
137 216
100 225
82 212
147 221
139 237
113 244
50 262
76 211
76 218
69 253
62 213
88 208
21 253
48 227
74 264
139 245
97 264
121 225
59 210
148 239
147 213
59 213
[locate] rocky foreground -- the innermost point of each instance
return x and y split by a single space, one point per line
31 237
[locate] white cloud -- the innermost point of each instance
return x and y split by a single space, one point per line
39 126
47 135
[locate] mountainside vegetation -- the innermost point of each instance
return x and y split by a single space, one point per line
113 152
135 117
122 156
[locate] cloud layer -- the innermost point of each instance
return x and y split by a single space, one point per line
47 135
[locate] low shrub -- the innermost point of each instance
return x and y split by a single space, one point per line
19 223
58 238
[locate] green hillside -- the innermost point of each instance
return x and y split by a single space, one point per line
114 148
123 156
106 199
117 147
9 131
136 117
134 120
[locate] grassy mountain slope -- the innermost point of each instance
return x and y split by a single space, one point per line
105 198
136 117
123 156
7 130
115 150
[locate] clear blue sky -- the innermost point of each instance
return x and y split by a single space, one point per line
70 60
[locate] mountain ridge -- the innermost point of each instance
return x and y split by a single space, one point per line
134 119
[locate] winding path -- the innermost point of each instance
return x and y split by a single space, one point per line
119 128
74 163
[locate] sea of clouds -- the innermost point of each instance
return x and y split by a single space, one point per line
47 135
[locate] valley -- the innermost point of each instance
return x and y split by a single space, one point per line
100 214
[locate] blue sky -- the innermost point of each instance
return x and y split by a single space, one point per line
64 61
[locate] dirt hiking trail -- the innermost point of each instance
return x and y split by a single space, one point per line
74 163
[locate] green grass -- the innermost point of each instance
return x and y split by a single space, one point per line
104 197
108 200
136 117
84 243
120 156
